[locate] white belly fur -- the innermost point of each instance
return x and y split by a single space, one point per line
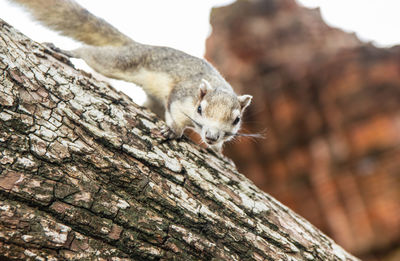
155 84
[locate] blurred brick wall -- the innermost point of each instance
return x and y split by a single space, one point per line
330 106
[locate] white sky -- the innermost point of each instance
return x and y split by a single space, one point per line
377 21
184 24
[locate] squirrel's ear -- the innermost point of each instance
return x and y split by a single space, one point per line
244 101
204 87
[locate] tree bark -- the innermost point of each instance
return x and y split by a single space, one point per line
85 173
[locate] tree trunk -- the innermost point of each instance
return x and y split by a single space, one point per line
85 174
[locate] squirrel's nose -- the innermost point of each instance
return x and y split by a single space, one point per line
211 138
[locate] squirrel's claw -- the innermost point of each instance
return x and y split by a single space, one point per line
168 133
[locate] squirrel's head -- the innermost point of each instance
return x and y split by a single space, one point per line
218 113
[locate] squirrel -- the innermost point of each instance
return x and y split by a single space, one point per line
192 92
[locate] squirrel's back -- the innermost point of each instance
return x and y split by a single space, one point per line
72 20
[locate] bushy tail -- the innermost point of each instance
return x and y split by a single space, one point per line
71 19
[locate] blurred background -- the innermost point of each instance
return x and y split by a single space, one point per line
327 98
330 105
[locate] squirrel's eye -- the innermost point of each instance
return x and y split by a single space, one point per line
236 121
199 109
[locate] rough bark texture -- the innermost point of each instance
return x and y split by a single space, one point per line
330 105
84 173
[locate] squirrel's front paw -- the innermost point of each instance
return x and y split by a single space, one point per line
168 133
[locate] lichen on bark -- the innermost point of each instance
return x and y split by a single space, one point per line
85 173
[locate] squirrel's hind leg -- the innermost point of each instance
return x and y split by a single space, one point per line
54 48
